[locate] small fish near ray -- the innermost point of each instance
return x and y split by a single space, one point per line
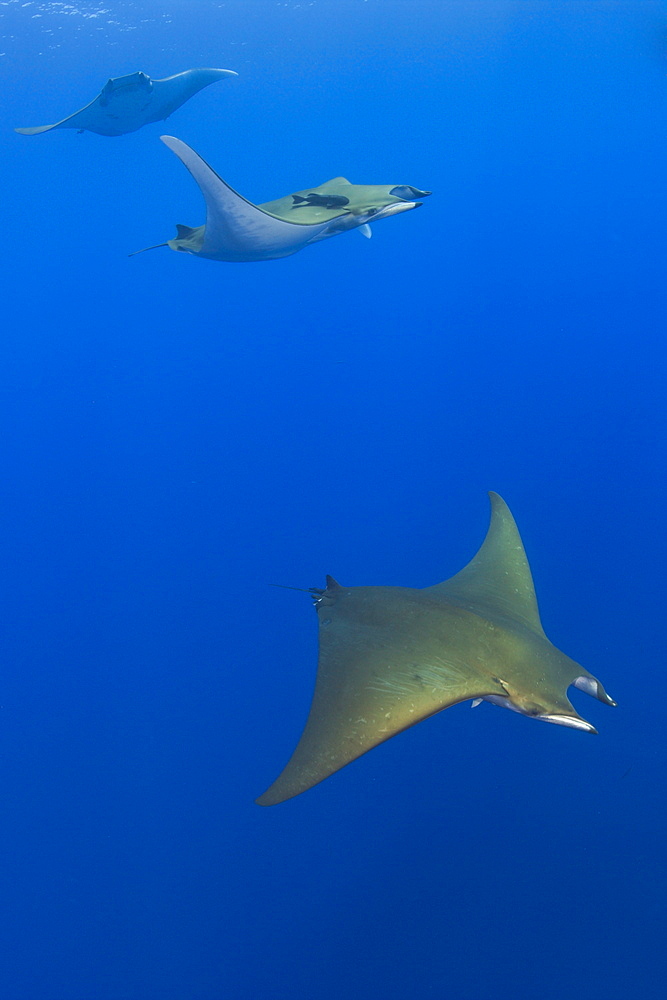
392 656
127 103
238 230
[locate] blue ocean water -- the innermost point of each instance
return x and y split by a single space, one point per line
178 434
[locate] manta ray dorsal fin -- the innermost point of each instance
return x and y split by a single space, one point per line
186 232
234 226
498 580
63 123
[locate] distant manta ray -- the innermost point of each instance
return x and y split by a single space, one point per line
127 103
392 656
237 230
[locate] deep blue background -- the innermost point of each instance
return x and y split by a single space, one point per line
176 434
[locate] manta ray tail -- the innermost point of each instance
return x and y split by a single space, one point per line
144 249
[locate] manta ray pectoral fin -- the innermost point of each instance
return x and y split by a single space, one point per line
366 230
498 579
360 700
236 229
35 130
383 667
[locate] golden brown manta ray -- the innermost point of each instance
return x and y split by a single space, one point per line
392 656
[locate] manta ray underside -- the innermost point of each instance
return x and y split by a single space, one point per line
392 656
127 103
237 230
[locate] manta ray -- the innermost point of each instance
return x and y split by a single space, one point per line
127 103
237 230
392 656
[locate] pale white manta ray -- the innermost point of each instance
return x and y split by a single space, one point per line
127 103
237 230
